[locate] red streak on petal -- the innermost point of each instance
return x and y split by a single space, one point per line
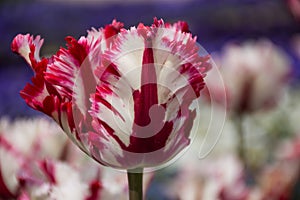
104 73
76 49
157 22
37 66
99 97
111 30
143 145
147 96
150 144
195 79
49 170
89 83
95 188
182 26
15 44
48 105
68 108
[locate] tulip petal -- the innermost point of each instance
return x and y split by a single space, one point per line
28 47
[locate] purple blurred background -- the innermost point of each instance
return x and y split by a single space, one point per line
214 22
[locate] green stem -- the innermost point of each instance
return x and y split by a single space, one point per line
241 146
135 183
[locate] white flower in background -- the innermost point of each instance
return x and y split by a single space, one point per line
68 184
104 183
22 142
254 74
210 179
38 163
61 181
225 180
114 185
58 180
34 135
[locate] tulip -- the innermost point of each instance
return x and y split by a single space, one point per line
255 75
22 143
127 98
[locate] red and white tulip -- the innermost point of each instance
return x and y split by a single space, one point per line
125 97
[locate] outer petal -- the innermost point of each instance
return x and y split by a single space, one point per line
73 69
64 70
28 47
39 92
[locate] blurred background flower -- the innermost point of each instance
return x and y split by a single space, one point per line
271 136
294 6
38 162
254 73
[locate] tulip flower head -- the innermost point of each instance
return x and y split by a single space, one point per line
128 98
254 73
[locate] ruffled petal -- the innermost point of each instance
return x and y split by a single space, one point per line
37 93
72 74
73 69
34 94
111 30
29 48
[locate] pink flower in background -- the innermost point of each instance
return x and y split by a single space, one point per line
54 180
226 180
277 181
294 6
61 180
254 74
210 179
22 143
123 96
37 162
